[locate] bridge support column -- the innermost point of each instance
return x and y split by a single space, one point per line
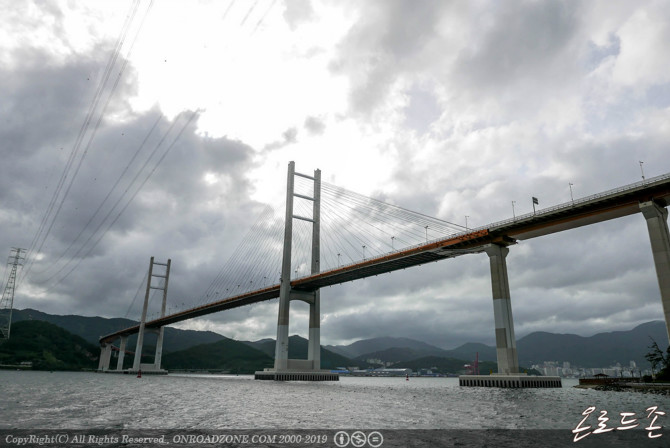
281 348
122 352
659 236
159 348
140 334
508 361
286 369
314 347
105 356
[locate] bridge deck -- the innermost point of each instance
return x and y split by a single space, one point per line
604 206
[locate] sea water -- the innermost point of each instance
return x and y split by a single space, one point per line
69 400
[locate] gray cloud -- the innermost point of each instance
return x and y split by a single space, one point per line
314 125
489 105
297 12
44 108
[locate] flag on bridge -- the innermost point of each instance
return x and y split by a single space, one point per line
535 201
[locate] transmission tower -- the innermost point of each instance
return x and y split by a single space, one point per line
16 257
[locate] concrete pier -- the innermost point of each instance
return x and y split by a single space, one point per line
297 375
659 236
509 381
508 361
134 372
105 356
122 352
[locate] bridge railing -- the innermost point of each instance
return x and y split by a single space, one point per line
571 204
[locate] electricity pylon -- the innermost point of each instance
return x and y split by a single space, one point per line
16 256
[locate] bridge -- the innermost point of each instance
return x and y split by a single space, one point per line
649 197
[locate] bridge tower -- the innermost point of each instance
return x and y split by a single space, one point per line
299 369
7 303
106 347
156 366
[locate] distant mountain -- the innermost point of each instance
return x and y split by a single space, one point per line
602 349
267 346
400 354
297 349
439 364
47 347
91 328
368 346
226 354
470 350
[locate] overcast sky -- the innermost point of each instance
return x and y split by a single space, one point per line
451 109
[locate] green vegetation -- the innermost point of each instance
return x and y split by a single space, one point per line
657 359
297 349
91 328
226 355
47 347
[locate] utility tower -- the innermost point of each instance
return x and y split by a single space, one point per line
16 257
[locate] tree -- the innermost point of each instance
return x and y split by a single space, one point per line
656 358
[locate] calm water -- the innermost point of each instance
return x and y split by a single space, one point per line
89 400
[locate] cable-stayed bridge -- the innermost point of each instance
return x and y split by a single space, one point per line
386 238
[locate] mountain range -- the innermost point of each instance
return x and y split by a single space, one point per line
91 328
600 350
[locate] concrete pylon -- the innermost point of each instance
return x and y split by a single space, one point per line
508 360
314 347
659 236
105 356
156 365
281 347
140 334
122 352
285 368
286 293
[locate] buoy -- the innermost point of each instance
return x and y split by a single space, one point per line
407 377
139 373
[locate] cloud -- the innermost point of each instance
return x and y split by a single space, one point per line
297 12
446 108
314 125
175 214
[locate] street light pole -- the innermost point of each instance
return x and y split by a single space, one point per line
426 234
641 170
513 214
570 184
466 222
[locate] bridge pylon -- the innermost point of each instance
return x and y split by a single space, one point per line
106 347
286 369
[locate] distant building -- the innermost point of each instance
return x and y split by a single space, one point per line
391 372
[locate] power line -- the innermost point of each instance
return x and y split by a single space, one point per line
123 209
48 217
